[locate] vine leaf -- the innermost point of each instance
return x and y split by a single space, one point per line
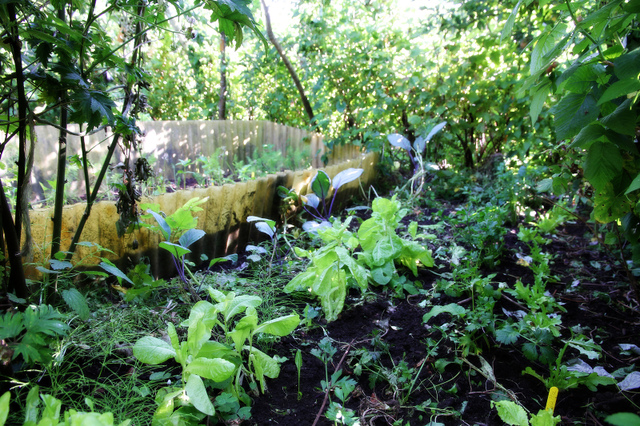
91 107
573 113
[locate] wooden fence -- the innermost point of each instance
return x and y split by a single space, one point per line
224 215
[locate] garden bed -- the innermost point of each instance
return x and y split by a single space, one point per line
406 363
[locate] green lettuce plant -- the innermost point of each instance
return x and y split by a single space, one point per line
514 414
225 363
50 413
332 269
382 247
347 259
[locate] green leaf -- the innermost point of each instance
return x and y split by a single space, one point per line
588 135
190 237
164 226
539 95
114 270
507 335
198 396
280 326
622 120
76 301
151 350
508 26
573 113
216 369
58 265
452 308
92 107
346 176
545 418
623 419
175 249
321 184
620 88
383 274
511 413
4 407
603 164
635 185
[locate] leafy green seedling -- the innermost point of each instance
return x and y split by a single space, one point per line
298 362
513 414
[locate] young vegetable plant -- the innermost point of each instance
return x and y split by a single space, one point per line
416 153
50 414
337 264
226 363
179 232
332 269
319 203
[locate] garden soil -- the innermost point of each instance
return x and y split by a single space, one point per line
592 287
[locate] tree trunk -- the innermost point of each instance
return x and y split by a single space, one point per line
222 102
292 72
17 283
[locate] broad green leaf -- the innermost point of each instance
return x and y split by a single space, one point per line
269 366
357 271
620 88
280 326
301 282
190 237
588 135
243 329
623 419
33 401
198 396
627 66
383 274
238 305
346 176
545 418
622 120
216 369
635 185
539 95
114 270
321 184
5 400
511 413
151 350
164 226
508 26
573 113
544 45
175 249
608 207
198 333
58 265
399 141
76 301
452 308
333 301
603 164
